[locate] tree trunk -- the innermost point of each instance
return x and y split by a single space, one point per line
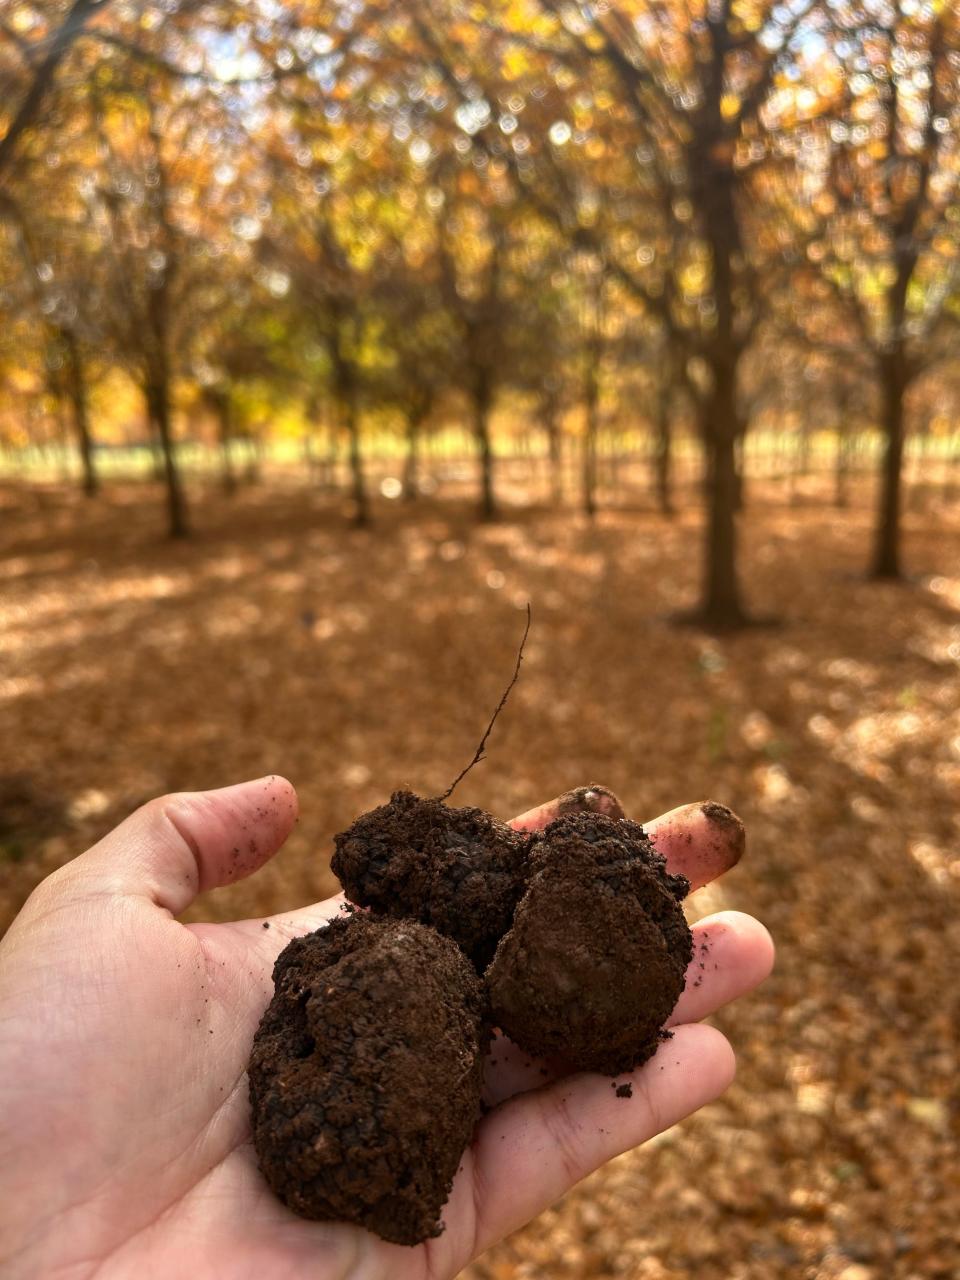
481 430
158 408
253 471
589 463
591 405
311 409
554 452
156 452
800 467
720 604
329 465
227 475
714 182
886 550
806 448
411 463
663 450
361 504
841 465
61 446
77 391
309 461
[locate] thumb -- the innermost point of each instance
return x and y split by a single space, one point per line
179 845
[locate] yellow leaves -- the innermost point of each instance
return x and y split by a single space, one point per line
729 106
23 20
750 16
693 278
931 1112
807 100
468 182
515 63
22 380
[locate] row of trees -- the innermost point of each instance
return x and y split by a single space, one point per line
418 208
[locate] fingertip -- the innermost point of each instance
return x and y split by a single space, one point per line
285 788
715 1047
757 943
760 941
279 798
274 787
181 844
592 798
705 1052
753 938
732 954
252 820
727 827
534 1147
700 841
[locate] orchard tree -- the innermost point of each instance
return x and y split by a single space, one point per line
887 178
49 257
167 209
664 149
33 44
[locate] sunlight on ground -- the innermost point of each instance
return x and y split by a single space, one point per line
280 641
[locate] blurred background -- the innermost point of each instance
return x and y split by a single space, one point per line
334 333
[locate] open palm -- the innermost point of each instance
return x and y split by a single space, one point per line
125 1142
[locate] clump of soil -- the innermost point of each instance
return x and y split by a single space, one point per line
460 870
365 1075
366 1071
595 959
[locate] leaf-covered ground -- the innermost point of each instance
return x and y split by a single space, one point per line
280 641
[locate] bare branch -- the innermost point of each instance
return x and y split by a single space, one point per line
73 24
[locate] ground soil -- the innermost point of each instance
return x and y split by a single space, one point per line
358 662
595 958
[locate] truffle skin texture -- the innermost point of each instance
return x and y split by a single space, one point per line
365 1075
596 958
460 870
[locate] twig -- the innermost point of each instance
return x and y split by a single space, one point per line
478 755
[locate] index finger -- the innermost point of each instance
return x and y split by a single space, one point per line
700 841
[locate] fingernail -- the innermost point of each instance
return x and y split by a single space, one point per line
593 798
728 828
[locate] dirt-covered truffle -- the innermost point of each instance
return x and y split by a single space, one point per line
460 870
365 1075
595 960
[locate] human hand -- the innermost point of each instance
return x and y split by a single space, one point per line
125 1145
